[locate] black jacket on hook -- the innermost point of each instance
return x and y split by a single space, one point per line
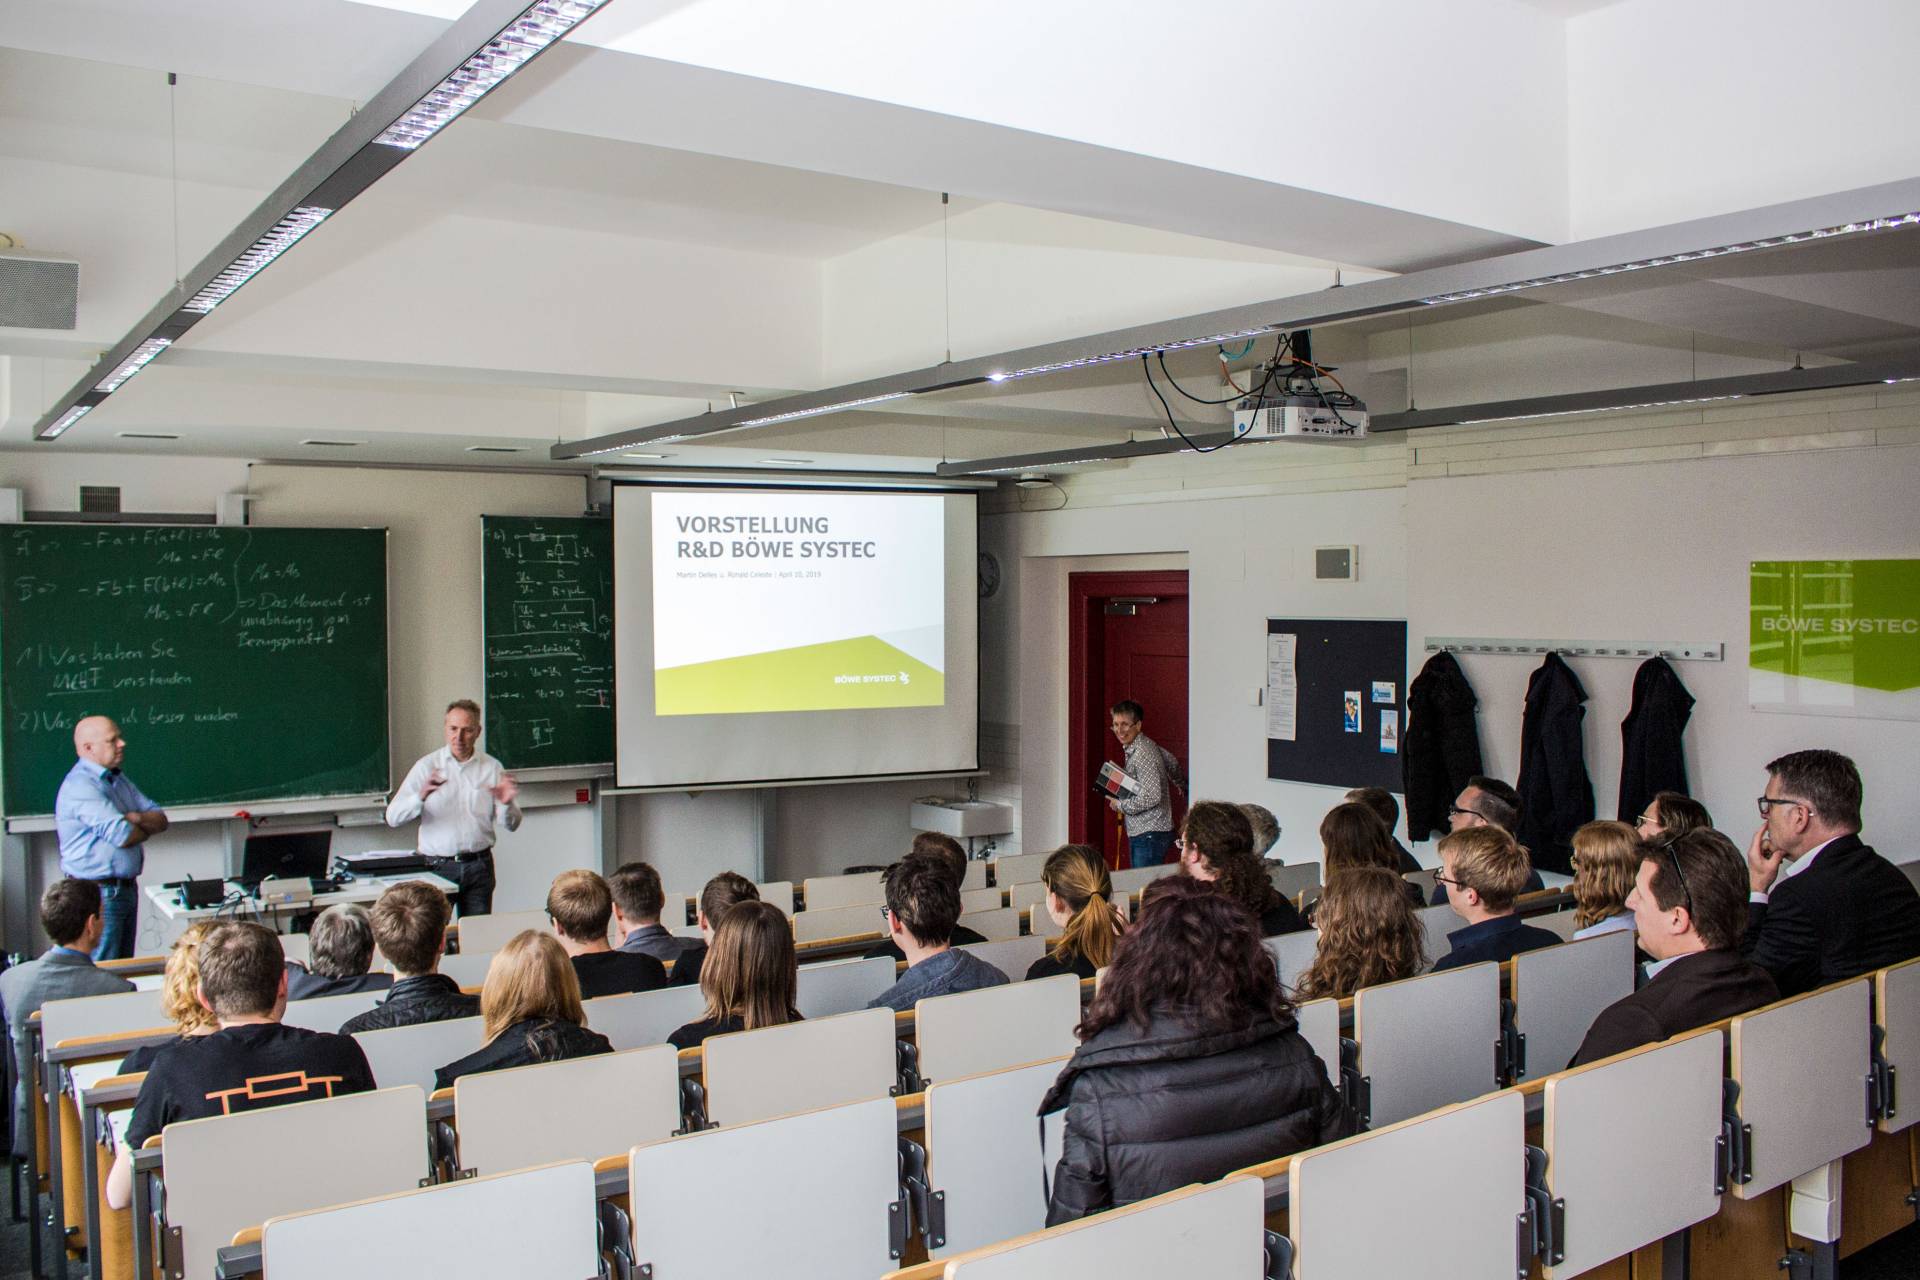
1441 745
1555 795
1651 760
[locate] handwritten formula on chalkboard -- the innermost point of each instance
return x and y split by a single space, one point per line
241 664
547 617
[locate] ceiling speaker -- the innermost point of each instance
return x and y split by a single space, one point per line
38 292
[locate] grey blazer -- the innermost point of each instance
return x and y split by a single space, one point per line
60 974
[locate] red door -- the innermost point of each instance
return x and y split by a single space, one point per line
1127 638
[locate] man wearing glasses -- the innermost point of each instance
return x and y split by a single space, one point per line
1822 905
1689 910
1486 802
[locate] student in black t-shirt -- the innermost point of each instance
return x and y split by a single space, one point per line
946 851
252 1061
179 998
581 906
749 977
531 1011
720 895
1080 901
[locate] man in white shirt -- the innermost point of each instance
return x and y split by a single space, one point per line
459 794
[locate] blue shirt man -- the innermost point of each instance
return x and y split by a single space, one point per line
102 818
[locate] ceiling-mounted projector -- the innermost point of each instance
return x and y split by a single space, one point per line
1289 402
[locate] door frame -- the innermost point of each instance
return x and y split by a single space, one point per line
1087 594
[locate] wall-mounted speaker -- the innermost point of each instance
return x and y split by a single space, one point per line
38 292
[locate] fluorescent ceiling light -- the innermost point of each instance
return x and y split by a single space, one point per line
146 435
647 457
486 43
496 448
333 444
1667 260
286 233
1131 353
1600 408
836 407
141 357
522 40
67 419
786 462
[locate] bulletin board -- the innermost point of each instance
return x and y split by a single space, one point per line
1336 701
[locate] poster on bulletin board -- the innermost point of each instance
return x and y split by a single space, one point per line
1335 701
1835 638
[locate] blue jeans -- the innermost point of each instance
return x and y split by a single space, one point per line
119 905
1150 850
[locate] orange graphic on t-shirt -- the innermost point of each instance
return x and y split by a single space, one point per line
287 1084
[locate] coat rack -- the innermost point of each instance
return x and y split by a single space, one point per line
1671 650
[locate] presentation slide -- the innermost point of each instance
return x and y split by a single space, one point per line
787 634
797 602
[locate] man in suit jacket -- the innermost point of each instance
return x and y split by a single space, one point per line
1823 906
70 913
1688 904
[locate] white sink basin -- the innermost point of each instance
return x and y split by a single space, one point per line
961 818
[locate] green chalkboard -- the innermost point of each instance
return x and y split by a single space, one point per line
243 664
547 623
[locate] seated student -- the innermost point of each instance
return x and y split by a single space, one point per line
719 895
1822 905
581 906
1368 935
1352 835
749 978
1191 1064
946 851
531 1004
1080 901
1215 844
1671 814
922 904
179 998
638 901
1689 905
70 913
1387 809
1486 869
1486 802
1606 855
1266 828
339 957
252 1061
410 924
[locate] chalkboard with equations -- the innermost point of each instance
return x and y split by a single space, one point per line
242 664
547 626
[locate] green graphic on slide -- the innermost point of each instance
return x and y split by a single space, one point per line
844 674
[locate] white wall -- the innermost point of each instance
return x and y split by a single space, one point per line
1660 552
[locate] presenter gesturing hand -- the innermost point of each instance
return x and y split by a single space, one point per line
460 794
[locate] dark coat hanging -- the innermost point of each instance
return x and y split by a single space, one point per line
1440 746
1651 760
1555 795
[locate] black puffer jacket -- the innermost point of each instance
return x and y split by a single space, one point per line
1149 1113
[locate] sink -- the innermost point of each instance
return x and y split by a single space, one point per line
961 818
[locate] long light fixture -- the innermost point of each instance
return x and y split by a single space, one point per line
480 50
1821 217
1886 223
1618 400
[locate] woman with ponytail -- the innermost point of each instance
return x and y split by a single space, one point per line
1080 900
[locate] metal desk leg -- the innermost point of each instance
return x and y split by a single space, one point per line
90 1156
58 1206
142 1226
